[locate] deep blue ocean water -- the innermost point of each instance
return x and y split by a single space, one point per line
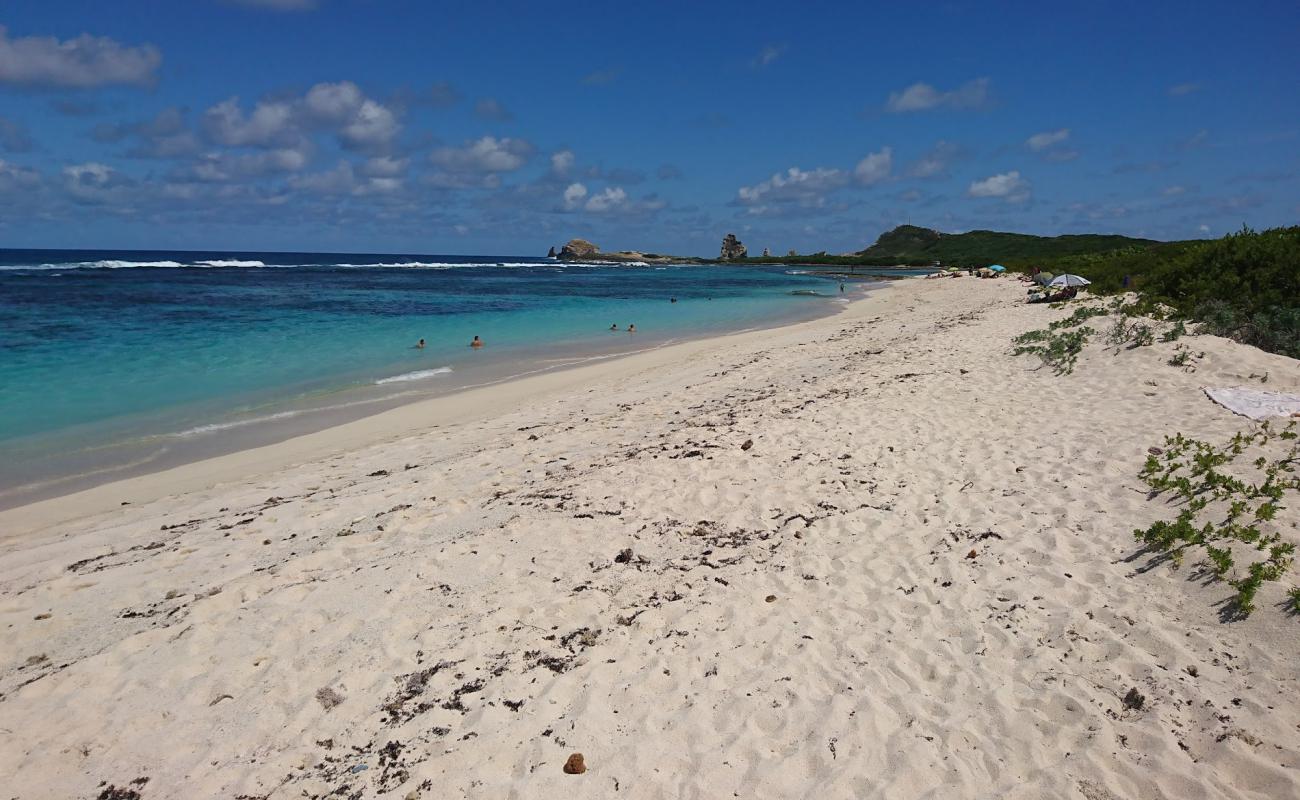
102 346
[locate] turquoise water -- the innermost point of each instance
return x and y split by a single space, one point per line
107 352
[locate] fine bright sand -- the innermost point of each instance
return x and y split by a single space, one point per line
870 556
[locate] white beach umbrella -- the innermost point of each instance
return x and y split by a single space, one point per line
1069 280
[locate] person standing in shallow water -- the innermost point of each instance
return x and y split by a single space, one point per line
476 343
631 329
419 345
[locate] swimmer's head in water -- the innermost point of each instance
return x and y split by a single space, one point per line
476 343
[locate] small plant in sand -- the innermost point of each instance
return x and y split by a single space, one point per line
1229 511
1183 357
1059 351
1175 333
1059 346
1131 332
1293 599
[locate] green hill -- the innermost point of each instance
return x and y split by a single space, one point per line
911 244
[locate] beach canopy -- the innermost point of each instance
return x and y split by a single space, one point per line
1069 280
998 268
1043 278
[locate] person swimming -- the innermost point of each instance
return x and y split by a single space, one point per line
476 343
419 345
631 329
673 300
613 327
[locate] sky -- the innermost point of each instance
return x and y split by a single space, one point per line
396 126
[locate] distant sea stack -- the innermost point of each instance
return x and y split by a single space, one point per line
578 249
550 253
732 249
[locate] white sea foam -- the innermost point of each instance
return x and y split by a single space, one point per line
239 423
127 264
413 376
231 263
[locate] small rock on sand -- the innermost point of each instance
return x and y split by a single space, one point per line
575 765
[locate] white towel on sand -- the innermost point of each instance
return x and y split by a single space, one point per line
1255 403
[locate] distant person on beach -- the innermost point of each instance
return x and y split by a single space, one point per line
841 288
419 345
476 343
613 327
631 329
673 300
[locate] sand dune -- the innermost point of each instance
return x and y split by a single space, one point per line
869 556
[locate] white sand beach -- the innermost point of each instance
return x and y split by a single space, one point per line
871 556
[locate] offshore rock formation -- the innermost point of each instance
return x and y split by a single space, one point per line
578 249
550 253
732 249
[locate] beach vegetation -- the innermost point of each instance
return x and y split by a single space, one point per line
1058 350
1244 286
1228 512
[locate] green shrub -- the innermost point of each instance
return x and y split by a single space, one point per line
1222 511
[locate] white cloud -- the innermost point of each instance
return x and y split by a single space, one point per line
1203 228
562 162
1183 89
1171 191
807 187
1041 141
612 198
360 123
875 168
14 177
934 163
93 182
574 195
84 62
1008 186
270 123
924 97
488 154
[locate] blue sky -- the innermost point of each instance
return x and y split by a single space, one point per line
504 128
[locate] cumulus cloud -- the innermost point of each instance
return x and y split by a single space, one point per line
924 97
93 182
270 123
15 178
934 163
875 168
1008 185
562 162
804 187
611 199
14 137
488 154
359 122
574 195
1041 141
490 109
81 63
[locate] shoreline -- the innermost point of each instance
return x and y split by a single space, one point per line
403 418
291 418
869 555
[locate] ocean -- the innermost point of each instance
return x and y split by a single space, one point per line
118 362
